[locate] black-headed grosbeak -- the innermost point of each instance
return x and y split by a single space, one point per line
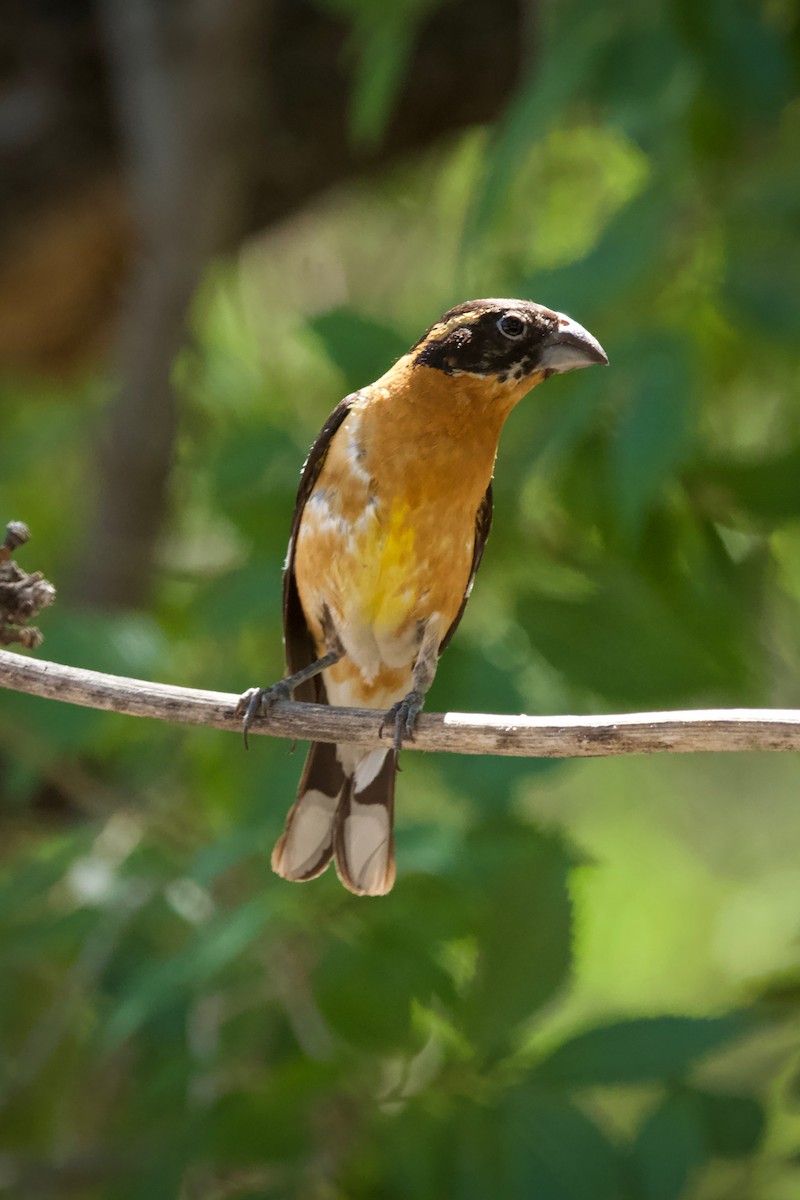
392 515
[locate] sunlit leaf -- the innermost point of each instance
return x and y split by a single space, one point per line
547 91
630 249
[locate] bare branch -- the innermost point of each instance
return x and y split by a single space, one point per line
458 733
22 595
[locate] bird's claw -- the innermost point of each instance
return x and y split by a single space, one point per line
257 701
402 716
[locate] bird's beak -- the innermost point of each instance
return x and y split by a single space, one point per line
569 347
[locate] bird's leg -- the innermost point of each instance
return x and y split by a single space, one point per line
403 715
257 701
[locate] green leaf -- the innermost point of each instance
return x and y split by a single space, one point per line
366 988
653 435
560 70
555 1152
209 952
647 655
744 58
640 1050
762 261
378 77
735 1125
531 1146
765 490
361 348
381 42
274 1120
122 642
761 282
158 1175
409 1154
523 931
24 891
478 1169
629 251
641 77
669 1147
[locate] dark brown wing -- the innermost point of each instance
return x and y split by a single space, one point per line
483 523
298 642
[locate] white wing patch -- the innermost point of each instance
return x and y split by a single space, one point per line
322 515
367 770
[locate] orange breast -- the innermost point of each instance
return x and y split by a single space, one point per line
386 540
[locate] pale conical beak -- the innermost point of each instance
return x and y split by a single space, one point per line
570 347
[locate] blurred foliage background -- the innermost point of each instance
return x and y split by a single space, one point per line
586 983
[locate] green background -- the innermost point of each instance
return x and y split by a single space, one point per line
586 983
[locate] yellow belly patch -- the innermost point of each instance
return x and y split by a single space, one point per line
385 582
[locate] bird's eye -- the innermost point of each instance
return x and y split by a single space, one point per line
511 326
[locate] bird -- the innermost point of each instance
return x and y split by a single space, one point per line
392 515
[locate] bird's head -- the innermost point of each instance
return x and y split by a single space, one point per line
512 344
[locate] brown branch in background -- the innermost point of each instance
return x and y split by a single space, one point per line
184 80
66 241
22 596
457 733
228 116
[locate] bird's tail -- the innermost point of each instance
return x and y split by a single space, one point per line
363 837
345 810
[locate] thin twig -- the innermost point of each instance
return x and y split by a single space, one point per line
458 733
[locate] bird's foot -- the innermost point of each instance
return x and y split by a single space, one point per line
402 716
257 701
